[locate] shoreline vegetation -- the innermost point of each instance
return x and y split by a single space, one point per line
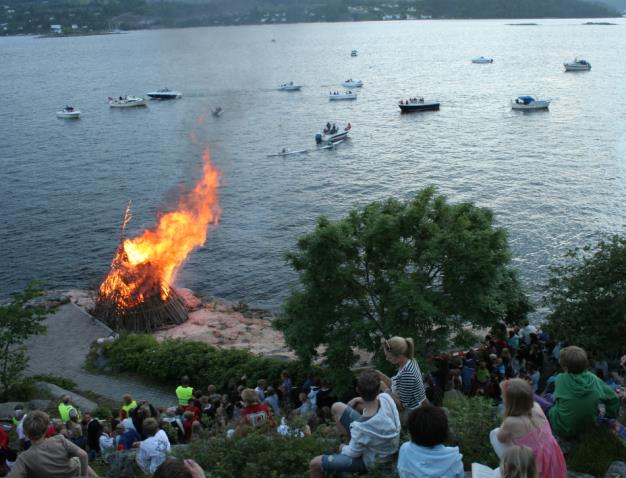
95 17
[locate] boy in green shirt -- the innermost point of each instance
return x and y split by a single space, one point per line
577 395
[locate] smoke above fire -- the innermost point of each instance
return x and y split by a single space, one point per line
146 265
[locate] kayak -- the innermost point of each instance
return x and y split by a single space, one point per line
288 153
332 145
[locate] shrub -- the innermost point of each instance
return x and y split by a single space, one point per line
258 455
167 361
597 449
471 420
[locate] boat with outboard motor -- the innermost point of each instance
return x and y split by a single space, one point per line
126 102
528 103
69 112
164 94
482 60
417 104
352 83
291 86
338 96
331 133
577 65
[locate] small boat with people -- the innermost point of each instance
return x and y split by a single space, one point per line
354 53
339 96
291 86
350 83
217 111
288 152
69 112
577 65
332 133
529 103
417 104
482 60
126 102
164 94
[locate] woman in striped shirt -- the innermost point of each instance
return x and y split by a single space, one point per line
405 387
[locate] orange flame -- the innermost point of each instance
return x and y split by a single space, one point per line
147 264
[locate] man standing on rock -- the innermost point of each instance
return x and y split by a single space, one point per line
184 392
65 408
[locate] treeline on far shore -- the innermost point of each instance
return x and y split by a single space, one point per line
76 17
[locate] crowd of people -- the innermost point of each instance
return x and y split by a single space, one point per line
537 411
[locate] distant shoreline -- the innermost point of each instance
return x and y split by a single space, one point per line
86 34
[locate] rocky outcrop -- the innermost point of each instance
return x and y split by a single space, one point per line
616 470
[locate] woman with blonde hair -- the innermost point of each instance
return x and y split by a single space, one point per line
526 425
518 462
405 387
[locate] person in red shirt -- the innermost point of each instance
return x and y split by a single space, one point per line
254 414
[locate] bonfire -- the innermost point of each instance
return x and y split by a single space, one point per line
137 294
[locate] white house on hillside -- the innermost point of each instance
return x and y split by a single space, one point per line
56 29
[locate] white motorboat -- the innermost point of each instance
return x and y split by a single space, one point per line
527 102
69 112
338 96
291 86
482 59
126 102
352 83
332 134
164 94
577 65
354 53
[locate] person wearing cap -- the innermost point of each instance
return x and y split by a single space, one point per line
65 407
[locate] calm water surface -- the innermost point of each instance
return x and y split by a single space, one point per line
555 179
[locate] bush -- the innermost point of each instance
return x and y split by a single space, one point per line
596 450
258 455
169 360
471 420
23 391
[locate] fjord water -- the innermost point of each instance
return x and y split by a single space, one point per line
555 179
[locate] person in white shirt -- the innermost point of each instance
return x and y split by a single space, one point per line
153 450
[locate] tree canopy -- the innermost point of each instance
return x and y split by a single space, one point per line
588 298
421 268
18 321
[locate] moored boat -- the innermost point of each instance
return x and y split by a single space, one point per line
577 65
482 59
126 102
417 104
352 83
163 94
354 53
338 96
69 112
291 86
332 134
527 102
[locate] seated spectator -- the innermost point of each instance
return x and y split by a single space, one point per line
74 430
128 405
577 395
106 440
286 386
406 387
153 450
271 399
518 462
7 455
309 399
173 468
19 416
125 437
260 390
526 425
54 457
374 435
254 414
425 456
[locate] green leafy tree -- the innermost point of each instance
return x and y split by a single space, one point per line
18 321
422 268
588 298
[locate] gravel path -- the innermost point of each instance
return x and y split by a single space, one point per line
63 350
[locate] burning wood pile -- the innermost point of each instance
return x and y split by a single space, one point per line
136 295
